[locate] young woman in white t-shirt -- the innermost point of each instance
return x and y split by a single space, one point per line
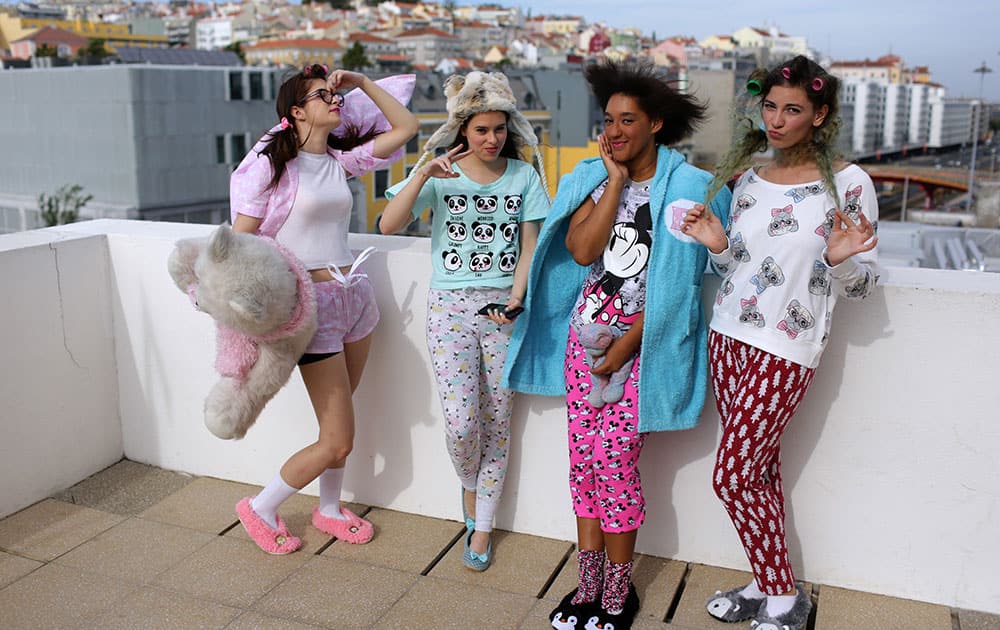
293 187
801 232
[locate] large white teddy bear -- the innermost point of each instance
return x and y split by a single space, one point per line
264 304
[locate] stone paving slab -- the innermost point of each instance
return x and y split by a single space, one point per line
155 608
13 568
251 620
125 488
55 596
700 583
50 528
402 541
229 571
336 593
974 620
521 563
843 608
445 604
297 514
136 550
207 505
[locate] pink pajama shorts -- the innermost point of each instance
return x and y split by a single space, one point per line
346 312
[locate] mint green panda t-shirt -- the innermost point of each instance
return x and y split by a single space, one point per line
474 227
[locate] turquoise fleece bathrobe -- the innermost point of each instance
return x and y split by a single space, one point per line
674 370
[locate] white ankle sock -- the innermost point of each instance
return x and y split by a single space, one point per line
779 604
484 514
331 481
752 591
266 503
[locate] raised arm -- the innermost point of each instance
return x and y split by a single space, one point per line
590 227
398 212
404 124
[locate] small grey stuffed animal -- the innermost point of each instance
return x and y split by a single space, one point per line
595 339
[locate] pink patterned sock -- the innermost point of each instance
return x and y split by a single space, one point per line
591 564
617 577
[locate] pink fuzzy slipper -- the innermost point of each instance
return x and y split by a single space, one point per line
353 529
274 541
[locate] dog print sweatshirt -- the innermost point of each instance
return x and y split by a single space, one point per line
778 292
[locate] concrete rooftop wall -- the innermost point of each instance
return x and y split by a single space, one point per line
888 466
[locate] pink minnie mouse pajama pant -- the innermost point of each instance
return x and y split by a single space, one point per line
604 448
756 394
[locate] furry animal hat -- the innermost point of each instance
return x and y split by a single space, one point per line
475 93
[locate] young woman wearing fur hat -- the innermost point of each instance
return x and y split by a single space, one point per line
485 205
293 187
612 252
802 232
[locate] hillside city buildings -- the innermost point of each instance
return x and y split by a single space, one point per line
158 101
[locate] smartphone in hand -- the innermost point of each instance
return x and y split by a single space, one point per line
502 308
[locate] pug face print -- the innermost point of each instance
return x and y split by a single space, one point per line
749 314
509 231
852 203
485 205
507 261
512 205
457 204
483 232
826 226
782 221
725 289
797 319
819 280
452 261
740 253
769 275
481 261
743 203
457 231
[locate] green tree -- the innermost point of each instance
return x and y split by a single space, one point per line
355 58
63 206
45 51
96 48
237 47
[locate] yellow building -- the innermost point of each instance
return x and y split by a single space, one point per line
294 52
114 35
11 30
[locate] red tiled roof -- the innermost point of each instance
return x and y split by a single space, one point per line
293 43
54 35
392 58
361 36
324 23
417 32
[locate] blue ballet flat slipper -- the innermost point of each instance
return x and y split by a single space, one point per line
476 561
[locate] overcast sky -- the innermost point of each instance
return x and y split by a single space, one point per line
952 37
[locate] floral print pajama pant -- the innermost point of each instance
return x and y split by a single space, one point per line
756 393
468 352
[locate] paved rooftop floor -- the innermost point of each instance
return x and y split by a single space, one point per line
140 547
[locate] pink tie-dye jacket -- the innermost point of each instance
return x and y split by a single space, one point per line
249 194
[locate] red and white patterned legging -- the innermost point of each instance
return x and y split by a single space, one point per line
756 393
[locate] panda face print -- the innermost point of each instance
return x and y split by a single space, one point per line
457 204
481 261
483 232
457 231
485 205
512 204
507 262
509 231
452 261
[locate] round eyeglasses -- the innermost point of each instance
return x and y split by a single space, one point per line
326 95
